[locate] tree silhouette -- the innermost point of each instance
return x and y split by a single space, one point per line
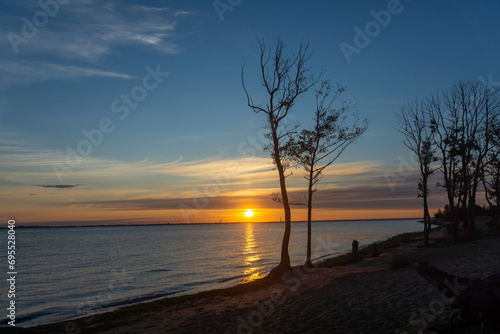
284 78
443 130
473 109
317 148
414 124
491 175
464 124
491 182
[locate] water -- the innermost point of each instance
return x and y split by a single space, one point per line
69 272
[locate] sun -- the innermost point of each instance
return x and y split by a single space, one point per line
249 213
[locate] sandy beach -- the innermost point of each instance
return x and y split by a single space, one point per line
369 296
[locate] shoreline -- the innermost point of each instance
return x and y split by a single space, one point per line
330 269
38 313
334 261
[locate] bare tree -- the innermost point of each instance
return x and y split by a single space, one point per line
316 149
414 124
284 79
464 126
491 175
473 110
491 182
444 130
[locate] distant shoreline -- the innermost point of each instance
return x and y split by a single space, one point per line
38 225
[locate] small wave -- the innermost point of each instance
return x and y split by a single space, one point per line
199 283
327 255
34 315
231 278
157 270
137 300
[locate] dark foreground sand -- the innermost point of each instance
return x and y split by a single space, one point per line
362 297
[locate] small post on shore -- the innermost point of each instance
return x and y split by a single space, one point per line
375 252
355 255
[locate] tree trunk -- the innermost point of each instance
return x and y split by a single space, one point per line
454 225
472 213
284 264
472 204
465 201
427 222
309 218
427 217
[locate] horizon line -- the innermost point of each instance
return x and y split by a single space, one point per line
44 224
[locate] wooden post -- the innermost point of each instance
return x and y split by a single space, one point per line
375 252
355 255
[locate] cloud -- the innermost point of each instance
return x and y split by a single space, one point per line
367 197
208 184
82 30
59 186
195 203
28 72
215 167
89 30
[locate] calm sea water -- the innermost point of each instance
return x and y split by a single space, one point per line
69 272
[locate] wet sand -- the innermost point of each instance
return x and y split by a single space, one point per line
361 297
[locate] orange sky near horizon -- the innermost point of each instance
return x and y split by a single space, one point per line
82 216
183 192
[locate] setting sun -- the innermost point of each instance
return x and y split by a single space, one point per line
249 213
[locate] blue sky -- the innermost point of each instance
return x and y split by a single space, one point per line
63 79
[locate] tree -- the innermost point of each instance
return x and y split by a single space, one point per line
491 175
472 108
325 142
464 126
443 130
413 123
491 182
284 79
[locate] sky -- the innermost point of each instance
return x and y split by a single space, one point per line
119 112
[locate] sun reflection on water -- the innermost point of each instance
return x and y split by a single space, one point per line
251 256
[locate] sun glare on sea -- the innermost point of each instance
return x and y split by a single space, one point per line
249 213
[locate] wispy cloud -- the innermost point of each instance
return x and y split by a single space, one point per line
28 72
59 186
88 30
368 197
223 183
82 30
